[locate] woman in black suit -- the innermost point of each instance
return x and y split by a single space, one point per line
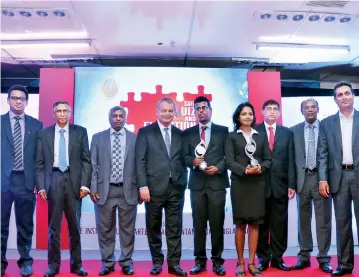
248 184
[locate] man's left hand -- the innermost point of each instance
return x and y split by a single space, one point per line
83 193
291 193
211 170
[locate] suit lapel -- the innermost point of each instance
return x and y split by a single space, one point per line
128 142
278 132
51 140
159 137
213 134
262 129
355 126
107 141
7 128
72 130
338 131
27 131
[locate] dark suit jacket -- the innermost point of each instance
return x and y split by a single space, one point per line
281 175
32 127
330 150
236 158
153 166
79 158
215 155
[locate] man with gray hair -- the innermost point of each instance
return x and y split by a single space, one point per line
305 136
114 189
63 175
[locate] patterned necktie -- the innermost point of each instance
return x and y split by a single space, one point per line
271 138
203 135
62 151
167 141
311 161
17 144
116 158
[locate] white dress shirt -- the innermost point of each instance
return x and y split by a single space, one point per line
246 136
267 128
346 126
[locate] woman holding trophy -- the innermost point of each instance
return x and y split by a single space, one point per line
247 157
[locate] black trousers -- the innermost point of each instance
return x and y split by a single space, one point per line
61 199
208 205
24 200
171 202
273 234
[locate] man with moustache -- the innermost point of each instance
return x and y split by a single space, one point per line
18 151
338 162
208 187
114 189
280 185
305 142
63 176
162 180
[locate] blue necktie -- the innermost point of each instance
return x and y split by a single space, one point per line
62 152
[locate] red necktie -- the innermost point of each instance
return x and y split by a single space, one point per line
271 138
203 137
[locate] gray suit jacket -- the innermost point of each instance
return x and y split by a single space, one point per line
101 159
330 150
300 153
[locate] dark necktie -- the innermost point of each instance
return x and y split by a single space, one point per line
311 148
17 144
116 158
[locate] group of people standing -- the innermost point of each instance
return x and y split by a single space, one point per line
269 165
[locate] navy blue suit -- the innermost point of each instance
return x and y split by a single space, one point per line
18 187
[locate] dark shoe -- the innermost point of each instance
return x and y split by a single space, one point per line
263 266
219 270
176 270
280 265
106 270
26 271
197 269
79 272
326 268
301 265
51 272
128 270
156 269
240 272
253 270
340 271
2 272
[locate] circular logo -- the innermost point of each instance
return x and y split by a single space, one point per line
110 88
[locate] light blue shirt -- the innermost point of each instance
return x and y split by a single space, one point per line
306 136
207 132
123 149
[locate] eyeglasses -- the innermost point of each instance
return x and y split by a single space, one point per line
62 111
203 108
15 98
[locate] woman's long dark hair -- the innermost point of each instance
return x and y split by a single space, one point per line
238 111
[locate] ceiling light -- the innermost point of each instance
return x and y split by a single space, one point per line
345 19
59 13
282 17
8 13
42 13
44 35
24 13
265 16
314 18
298 17
298 46
17 44
329 18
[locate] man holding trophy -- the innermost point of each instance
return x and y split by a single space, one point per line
204 147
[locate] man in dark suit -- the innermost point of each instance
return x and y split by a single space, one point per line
114 189
280 185
162 180
208 187
18 152
338 163
63 176
305 143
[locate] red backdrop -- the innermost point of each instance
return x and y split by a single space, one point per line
56 84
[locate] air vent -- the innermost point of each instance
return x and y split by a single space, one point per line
327 4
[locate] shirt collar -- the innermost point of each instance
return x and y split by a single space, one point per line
343 116
274 125
208 125
315 124
163 127
12 115
66 128
253 131
122 131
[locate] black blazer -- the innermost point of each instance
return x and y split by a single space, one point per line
32 127
79 158
153 166
215 155
281 175
236 157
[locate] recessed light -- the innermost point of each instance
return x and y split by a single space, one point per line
266 16
8 13
282 17
345 19
298 17
314 18
159 43
42 13
24 13
329 18
59 13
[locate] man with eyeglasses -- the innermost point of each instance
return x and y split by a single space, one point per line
208 185
18 150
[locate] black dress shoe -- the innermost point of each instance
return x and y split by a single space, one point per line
219 270
128 270
263 266
79 272
197 269
26 271
325 267
156 269
51 272
280 265
106 270
176 270
340 271
301 265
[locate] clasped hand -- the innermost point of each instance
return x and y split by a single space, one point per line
251 170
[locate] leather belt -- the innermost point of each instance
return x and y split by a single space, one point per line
347 166
116 184
311 170
58 169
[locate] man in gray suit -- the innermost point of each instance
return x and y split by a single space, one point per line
305 136
338 163
114 189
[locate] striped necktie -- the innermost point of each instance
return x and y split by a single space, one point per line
17 144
